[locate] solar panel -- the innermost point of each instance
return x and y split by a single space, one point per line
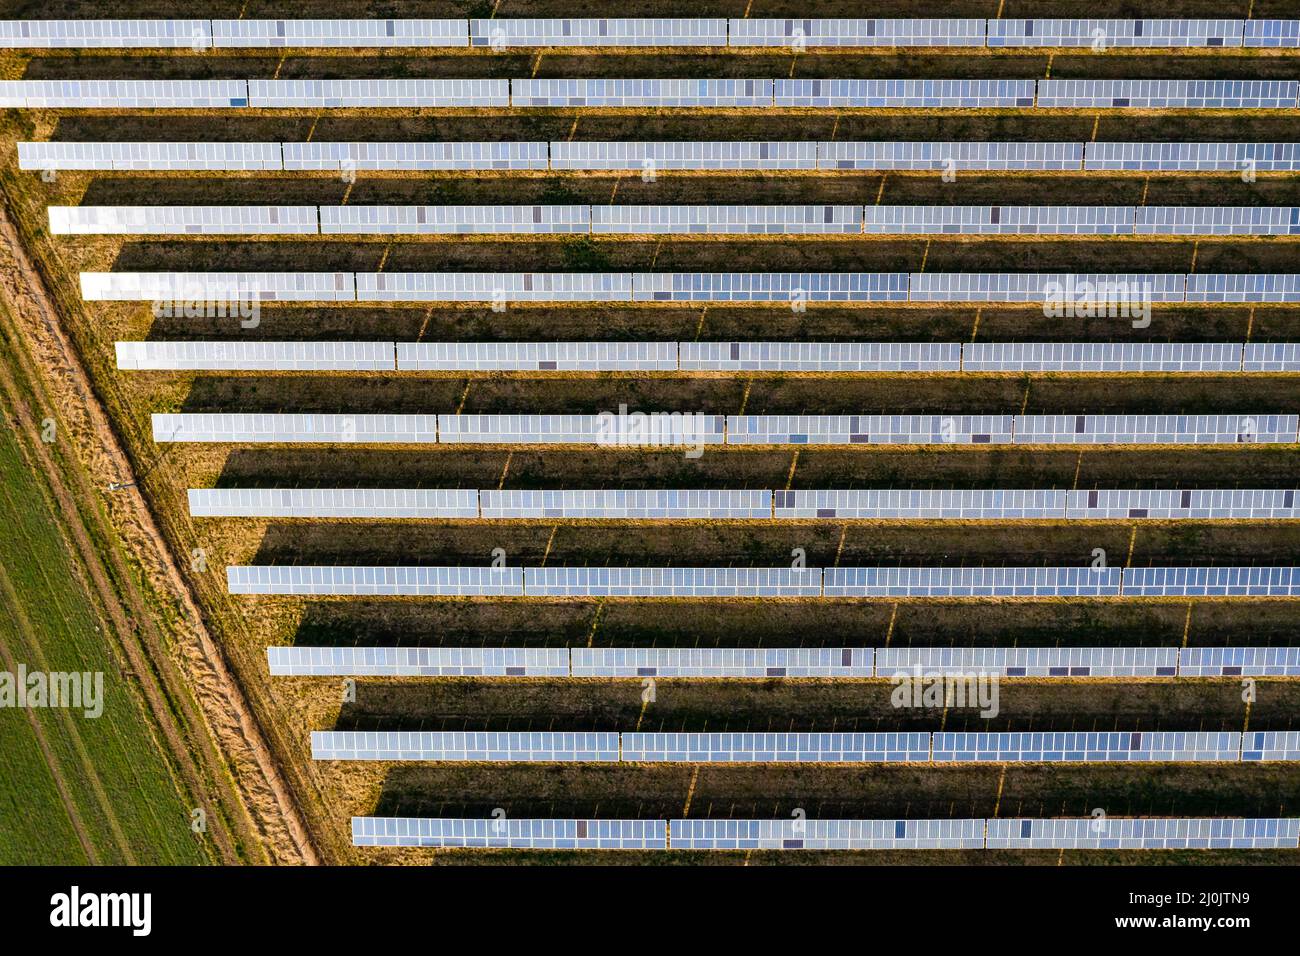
775 748
921 504
868 429
212 286
769 286
802 834
635 429
1212 582
722 662
972 582
1101 357
1000 220
1271 745
950 156
123 94
641 93
633 505
306 34
150 156
509 833
1218 220
1035 662
312 428
108 34
1169 94
328 94
1271 357
494 286
682 156
418 661
1102 34
673 582
358 581
538 356
1112 833
544 747
1239 662
1072 747
505 33
1155 429
333 503
905 94
820 356
182 220
256 356
1193 157
414 156
1188 503
454 220
1211 287
1272 33
725 220
856 33
1108 289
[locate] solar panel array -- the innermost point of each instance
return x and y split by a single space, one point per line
418 661
509 833
257 356
246 34
1100 34
465 746
1177 746
377 581
505 33
333 502
1111 833
804 834
1168 94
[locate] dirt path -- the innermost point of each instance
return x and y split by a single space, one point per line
206 693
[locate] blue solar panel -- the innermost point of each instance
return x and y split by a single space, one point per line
905 94
775 748
802 834
1212 582
1112 833
1239 662
1086 747
972 582
509 833
458 746
1271 745
418 661
719 662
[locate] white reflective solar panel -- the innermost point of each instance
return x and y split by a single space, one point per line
643 504
632 430
351 157
1271 357
821 356
720 662
510 833
266 427
1272 33
1000 220
868 429
543 746
641 93
257 356
1187 503
907 94
228 287
418 661
673 582
538 356
123 94
800 34
1218 220
1193 157
770 286
802 834
1028 661
1239 662
306 34
505 33
1155 833
454 220
494 286
360 581
377 93
150 156
183 220
725 220
1118 290
1155 429
1212 582
1101 357
1238 287
972 582
333 503
1169 94
952 156
1056 747
648 157
776 748
1271 745
921 504
1103 34
108 34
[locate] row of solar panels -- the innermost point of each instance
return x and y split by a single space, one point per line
652 93
1087 833
677 220
855 582
502 34
1082 357
678 429
643 156
805 662
1118 291
919 747
748 505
